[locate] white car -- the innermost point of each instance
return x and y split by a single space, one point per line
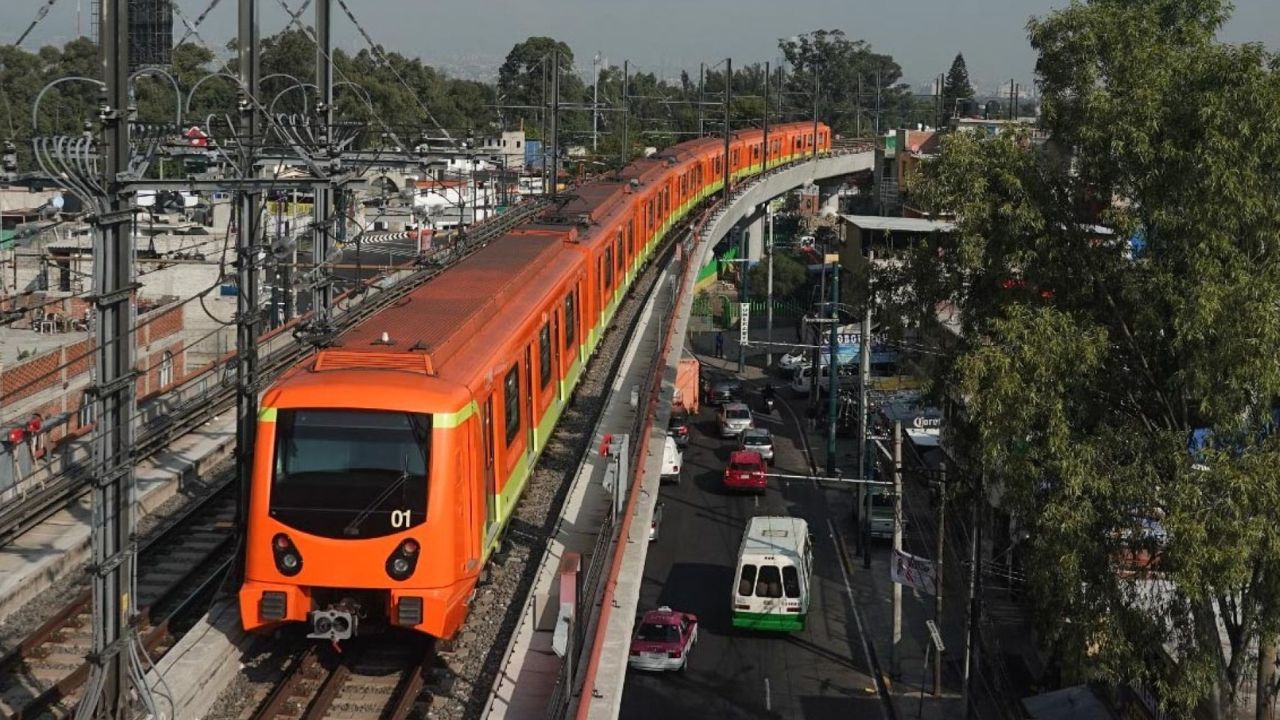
672 460
793 359
734 418
758 440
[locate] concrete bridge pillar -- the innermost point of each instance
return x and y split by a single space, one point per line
755 230
828 200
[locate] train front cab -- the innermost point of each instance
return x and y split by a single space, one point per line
324 546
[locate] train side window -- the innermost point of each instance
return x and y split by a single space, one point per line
511 403
621 259
608 267
570 320
630 247
544 353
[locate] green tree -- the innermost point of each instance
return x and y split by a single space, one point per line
853 81
789 278
526 70
1083 382
957 93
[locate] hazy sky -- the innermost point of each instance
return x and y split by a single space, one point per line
663 35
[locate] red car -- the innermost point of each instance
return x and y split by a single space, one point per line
746 471
663 640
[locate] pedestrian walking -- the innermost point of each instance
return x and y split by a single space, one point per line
719 344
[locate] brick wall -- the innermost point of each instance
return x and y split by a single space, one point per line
27 378
159 324
150 368
56 382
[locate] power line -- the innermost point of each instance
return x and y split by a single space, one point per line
377 51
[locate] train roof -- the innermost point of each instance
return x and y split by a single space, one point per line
433 322
592 202
646 170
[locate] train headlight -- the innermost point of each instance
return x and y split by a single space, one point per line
400 565
288 559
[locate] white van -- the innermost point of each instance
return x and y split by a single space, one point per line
672 459
774 574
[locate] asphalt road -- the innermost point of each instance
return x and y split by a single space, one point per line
821 672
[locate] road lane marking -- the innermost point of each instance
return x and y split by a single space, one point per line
768 697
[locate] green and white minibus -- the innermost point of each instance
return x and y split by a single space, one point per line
774 575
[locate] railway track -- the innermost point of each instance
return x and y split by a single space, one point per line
371 679
184 563
55 492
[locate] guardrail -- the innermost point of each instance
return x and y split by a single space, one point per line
66 471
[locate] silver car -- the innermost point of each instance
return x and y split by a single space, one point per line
734 418
757 440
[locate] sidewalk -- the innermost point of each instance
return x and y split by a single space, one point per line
1007 632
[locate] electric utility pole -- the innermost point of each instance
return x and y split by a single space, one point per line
728 100
831 376
937 598
743 296
113 691
765 120
815 111
768 312
542 126
895 657
595 104
972 644
248 326
555 123
764 167
325 197
702 76
864 383
626 112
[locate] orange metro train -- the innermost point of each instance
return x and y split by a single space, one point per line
388 465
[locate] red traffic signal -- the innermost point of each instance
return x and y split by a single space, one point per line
16 436
35 423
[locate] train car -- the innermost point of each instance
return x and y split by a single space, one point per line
387 466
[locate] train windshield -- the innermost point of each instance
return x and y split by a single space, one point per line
350 473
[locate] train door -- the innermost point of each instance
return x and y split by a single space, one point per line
555 354
528 399
490 476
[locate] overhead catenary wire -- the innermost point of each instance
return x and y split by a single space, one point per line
377 51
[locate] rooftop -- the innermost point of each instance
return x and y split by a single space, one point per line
15 342
900 224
